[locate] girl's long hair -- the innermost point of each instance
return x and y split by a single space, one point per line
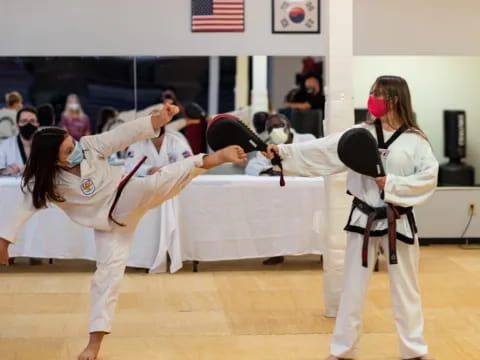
397 94
41 168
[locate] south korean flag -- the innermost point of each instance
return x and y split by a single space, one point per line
296 16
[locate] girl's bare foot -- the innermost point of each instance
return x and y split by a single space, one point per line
89 353
93 347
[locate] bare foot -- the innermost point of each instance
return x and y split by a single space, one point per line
89 353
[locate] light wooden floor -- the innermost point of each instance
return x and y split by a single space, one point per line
231 310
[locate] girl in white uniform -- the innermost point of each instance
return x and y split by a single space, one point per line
77 178
411 177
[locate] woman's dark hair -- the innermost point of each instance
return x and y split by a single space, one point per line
106 114
397 94
41 168
30 109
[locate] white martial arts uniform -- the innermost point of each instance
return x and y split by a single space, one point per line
90 197
260 163
10 152
8 124
174 148
411 170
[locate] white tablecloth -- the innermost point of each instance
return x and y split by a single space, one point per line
216 217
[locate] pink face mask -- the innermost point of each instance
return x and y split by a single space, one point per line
377 107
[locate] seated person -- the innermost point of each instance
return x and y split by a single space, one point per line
169 147
15 150
279 132
308 97
14 102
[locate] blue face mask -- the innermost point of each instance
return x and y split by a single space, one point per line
76 156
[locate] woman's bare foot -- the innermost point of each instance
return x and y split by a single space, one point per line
93 347
89 353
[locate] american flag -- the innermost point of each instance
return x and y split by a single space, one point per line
218 15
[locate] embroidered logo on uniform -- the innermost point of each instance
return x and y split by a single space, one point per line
186 154
87 187
172 157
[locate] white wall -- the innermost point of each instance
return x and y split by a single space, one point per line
282 72
436 84
141 27
416 27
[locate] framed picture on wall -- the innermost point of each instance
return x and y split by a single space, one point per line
296 16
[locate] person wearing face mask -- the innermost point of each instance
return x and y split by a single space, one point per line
411 177
309 97
73 119
76 176
279 132
14 151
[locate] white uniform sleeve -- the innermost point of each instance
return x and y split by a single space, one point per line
14 217
258 164
121 137
416 188
172 178
176 125
318 157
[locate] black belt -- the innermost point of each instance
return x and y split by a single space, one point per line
120 188
390 212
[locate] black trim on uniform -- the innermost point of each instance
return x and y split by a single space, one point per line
22 150
361 230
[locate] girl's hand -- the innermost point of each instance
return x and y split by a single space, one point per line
233 154
271 151
381 182
162 117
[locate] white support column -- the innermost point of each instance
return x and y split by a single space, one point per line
241 82
213 84
260 90
339 116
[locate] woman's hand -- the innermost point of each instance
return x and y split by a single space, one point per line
271 151
164 115
13 169
233 154
4 244
381 182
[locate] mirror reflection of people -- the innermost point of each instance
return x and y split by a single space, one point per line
279 131
411 177
309 96
76 176
15 151
73 119
8 114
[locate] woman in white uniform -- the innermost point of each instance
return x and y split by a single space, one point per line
169 147
411 176
76 177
